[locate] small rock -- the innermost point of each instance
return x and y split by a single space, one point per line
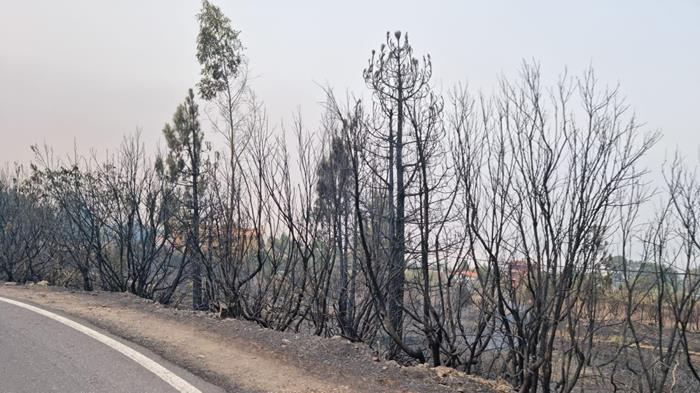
285 341
444 372
375 359
393 363
43 283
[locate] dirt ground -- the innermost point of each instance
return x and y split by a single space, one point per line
241 356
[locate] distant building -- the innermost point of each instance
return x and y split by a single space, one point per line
239 236
467 276
517 269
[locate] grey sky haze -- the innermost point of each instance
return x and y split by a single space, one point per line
92 71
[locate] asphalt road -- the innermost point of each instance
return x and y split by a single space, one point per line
39 354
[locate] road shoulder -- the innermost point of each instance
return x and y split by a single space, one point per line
239 355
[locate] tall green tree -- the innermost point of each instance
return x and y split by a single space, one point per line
184 138
334 204
223 86
218 51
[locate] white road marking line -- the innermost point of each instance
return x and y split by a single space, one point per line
163 373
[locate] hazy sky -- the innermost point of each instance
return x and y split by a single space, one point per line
90 71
